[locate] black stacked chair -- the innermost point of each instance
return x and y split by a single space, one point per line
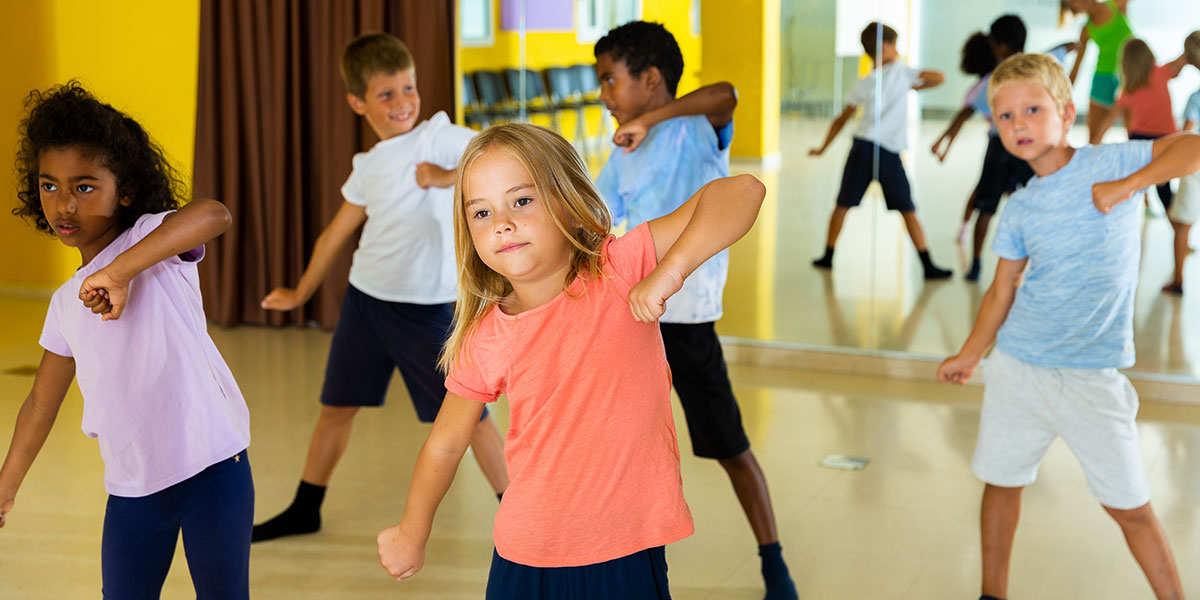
566 93
492 96
473 112
532 94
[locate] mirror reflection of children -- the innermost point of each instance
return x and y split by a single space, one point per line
1144 100
1060 311
561 317
129 328
1108 27
895 80
1185 208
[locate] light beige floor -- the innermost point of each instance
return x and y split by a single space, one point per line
904 528
875 298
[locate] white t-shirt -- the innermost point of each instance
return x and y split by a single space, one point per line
897 81
406 252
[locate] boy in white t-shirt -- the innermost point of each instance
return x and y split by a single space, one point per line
885 134
399 305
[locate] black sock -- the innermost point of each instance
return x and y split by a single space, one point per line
987 597
826 261
973 274
931 270
303 516
775 573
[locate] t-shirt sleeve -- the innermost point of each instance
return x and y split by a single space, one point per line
1130 156
1009 242
151 221
980 102
352 189
632 256
468 378
52 338
861 92
725 135
449 142
1191 112
912 76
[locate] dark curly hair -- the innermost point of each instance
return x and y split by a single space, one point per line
641 45
67 116
977 55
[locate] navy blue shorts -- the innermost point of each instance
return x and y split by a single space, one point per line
639 576
1165 194
375 337
860 172
700 378
1002 174
215 511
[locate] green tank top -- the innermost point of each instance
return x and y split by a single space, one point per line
1109 37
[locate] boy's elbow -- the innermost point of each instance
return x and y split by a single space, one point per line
729 96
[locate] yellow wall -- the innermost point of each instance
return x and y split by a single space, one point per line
141 56
742 47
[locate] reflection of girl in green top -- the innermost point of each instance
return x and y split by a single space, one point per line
1108 27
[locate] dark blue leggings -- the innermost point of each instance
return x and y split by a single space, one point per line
638 576
215 510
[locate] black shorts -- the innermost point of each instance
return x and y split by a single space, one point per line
638 576
1165 194
860 172
702 382
373 338
1002 174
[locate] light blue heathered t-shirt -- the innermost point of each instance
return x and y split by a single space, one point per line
1075 309
675 160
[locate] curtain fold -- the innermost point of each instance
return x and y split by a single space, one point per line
274 136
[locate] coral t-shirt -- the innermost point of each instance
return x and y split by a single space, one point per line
1150 106
593 462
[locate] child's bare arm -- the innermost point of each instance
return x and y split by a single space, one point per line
402 546
34 422
1174 156
1083 40
1177 65
930 79
951 133
329 245
710 221
430 175
715 101
992 313
180 231
834 129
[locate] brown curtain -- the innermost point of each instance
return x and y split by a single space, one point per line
274 136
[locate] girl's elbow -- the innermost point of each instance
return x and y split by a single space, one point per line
217 216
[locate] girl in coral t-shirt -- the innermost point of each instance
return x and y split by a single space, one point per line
1145 101
560 317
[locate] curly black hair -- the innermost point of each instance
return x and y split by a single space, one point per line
977 55
67 116
642 45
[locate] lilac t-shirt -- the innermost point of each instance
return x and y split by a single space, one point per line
157 395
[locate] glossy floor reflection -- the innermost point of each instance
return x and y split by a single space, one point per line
875 298
903 528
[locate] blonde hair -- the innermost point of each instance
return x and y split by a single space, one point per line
1137 61
562 182
370 54
1191 47
1041 69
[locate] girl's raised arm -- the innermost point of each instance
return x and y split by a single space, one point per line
34 422
710 221
106 290
402 546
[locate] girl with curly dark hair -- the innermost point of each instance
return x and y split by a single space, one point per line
170 421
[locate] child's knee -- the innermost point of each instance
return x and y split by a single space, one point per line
1141 516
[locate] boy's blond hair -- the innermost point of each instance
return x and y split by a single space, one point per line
562 182
370 54
1137 61
1041 69
1191 47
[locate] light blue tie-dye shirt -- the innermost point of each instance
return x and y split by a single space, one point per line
1075 308
675 160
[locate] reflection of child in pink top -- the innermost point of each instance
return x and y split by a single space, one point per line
1148 110
593 464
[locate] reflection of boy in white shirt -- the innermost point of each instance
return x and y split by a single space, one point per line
881 133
